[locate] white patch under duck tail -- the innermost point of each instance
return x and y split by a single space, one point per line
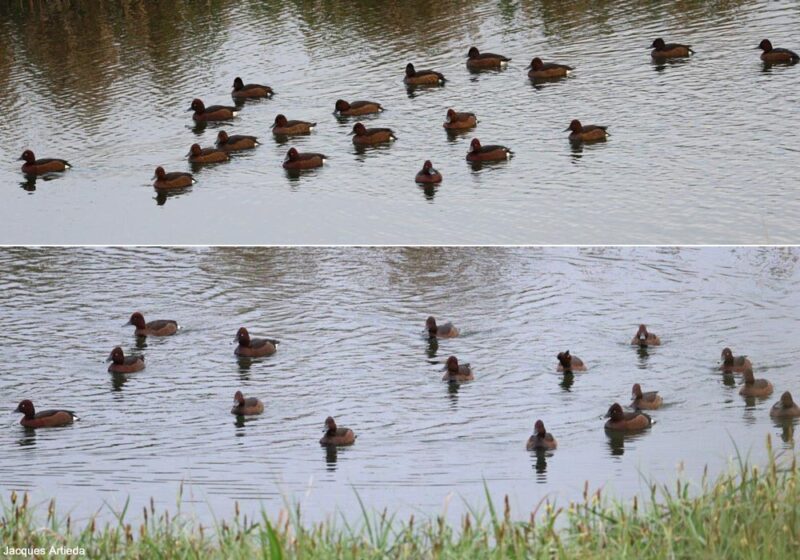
234 113
193 182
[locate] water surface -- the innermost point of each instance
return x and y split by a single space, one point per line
350 322
702 151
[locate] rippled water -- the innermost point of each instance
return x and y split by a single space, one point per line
701 152
350 322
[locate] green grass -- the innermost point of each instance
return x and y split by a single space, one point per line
749 513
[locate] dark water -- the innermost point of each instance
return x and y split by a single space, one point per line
350 323
701 152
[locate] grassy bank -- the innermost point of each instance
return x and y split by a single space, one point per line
750 513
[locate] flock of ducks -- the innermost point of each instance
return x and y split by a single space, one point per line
296 161
619 420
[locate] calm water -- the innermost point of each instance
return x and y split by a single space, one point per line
350 323
702 152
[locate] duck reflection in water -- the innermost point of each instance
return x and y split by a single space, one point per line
29 184
616 442
432 348
429 190
29 439
643 354
567 381
540 457
245 364
118 380
728 379
162 195
787 428
331 456
452 393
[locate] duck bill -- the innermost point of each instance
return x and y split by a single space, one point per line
129 323
109 359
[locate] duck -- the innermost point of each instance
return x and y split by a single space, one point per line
753 387
211 113
460 121
172 180
477 60
161 327
335 435
124 364
364 136
731 363
785 407
33 166
428 175
45 418
588 133
284 127
440 331
569 363
541 438
249 406
298 160
650 400
250 91
423 77
776 56
477 152
253 347
356 108
621 421
670 50
545 70
207 155
643 337
457 372
236 142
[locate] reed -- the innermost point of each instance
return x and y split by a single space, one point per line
750 512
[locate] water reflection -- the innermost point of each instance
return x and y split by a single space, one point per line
331 456
616 443
29 184
729 380
118 380
786 426
28 438
432 348
643 353
540 457
453 387
567 380
244 364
